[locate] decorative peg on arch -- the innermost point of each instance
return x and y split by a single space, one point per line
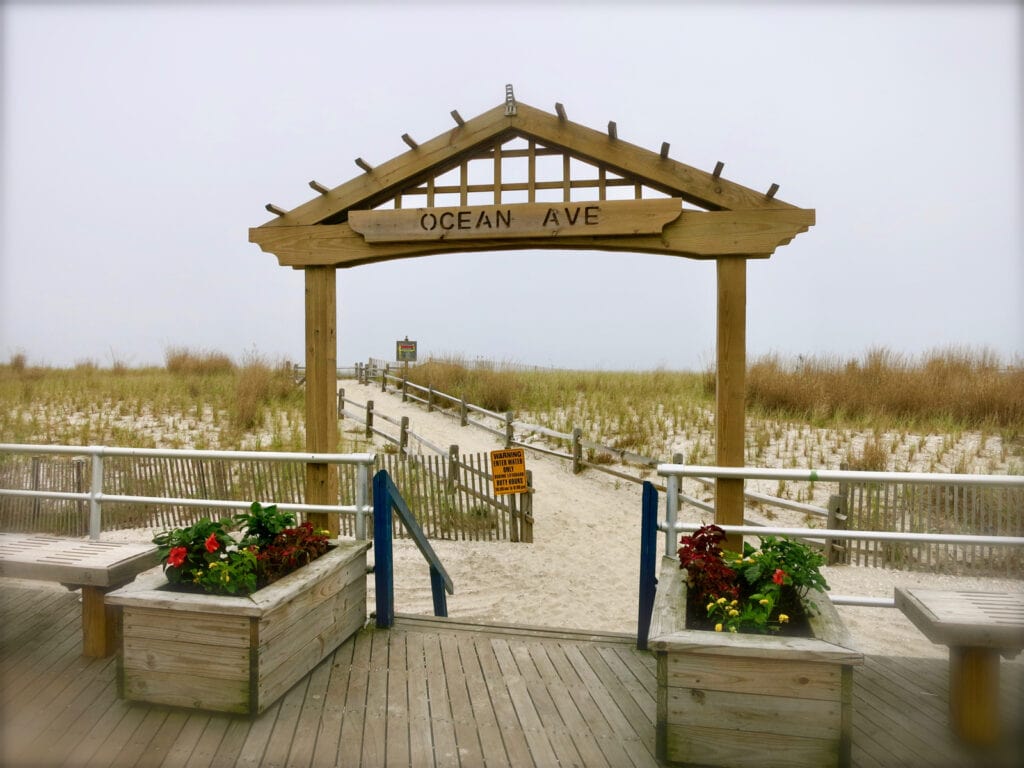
771 191
664 150
560 110
457 117
409 140
719 167
275 210
363 164
613 130
319 187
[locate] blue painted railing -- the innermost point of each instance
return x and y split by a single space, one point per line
648 563
385 499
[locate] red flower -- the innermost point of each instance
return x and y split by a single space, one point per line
779 577
177 556
212 545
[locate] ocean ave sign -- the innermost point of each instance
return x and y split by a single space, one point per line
525 220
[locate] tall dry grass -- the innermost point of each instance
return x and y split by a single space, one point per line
948 389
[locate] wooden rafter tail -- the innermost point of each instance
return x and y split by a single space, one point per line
719 167
771 191
664 150
457 117
275 209
316 185
560 111
363 164
409 140
613 130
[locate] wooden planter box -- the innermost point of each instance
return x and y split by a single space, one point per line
237 654
747 700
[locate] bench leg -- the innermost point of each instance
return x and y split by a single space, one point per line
99 623
974 694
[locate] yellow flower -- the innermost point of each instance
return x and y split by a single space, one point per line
718 627
735 602
710 606
732 629
764 601
720 601
734 612
783 618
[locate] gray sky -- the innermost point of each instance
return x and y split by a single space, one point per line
140 143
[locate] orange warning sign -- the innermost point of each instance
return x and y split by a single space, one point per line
508 467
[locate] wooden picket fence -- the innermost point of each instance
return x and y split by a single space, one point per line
451 496
916 508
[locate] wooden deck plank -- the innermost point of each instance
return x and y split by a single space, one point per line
512 735
333 715
308 726
442 729
594 720
483 712
375 726
459 693
421 742
466 735
541 750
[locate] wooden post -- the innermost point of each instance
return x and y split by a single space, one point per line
430 398
509 435
384 378
526 511
730 391
577 450
453 468
369 418
341 403
403 438
321 390
463 413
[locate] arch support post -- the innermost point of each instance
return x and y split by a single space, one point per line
321 391
730 390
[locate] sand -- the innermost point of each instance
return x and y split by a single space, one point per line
582 571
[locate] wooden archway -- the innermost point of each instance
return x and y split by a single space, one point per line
515 178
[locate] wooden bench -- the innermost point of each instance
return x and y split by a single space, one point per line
95 566
977 627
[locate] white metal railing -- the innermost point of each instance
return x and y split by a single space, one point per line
96 497
671 527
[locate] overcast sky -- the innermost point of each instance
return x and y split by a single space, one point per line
141 141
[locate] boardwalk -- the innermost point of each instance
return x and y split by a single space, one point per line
428 692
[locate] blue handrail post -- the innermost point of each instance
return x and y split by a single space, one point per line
438 593
648 562
383 557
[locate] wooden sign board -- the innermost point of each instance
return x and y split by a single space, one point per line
508 466
489 222
405 351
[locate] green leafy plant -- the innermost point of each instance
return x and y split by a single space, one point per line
757 591
205 555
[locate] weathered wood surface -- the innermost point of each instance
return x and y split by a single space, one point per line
476 222
694 234
424 694
238 653
977 627
95 566
73 561
966 617
724 699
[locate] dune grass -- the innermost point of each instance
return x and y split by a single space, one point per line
953 410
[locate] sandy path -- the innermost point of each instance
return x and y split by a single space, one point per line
582 571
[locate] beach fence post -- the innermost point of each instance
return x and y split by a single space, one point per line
383 557
648 563
369 418
577 450
509 434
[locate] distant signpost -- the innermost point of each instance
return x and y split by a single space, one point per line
508 466
405 351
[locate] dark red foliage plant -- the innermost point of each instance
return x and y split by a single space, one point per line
707 575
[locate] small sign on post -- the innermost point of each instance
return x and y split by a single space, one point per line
508 466
405 351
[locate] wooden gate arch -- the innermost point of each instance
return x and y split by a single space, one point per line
514 178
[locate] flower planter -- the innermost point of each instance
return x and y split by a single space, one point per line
232 653
746 700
